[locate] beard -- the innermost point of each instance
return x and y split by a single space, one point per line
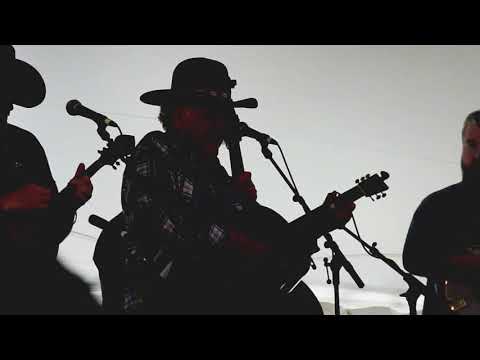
471 174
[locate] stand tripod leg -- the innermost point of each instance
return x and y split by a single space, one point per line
412 304
337 300
412 301
336 284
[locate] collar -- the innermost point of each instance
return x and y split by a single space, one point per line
186 151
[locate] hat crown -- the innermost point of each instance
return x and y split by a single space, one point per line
21 80
7 54
197 79
201 73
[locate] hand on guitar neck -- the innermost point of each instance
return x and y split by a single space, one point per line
342 209
81 186
34 197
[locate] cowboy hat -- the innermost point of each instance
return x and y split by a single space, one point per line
22 82
198 79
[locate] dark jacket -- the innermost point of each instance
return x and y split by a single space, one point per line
33 281
445 224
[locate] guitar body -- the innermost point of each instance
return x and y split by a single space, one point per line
23 232
458 298
108 260
285 257
250 280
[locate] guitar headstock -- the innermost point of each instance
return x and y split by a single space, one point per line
119 149
371 185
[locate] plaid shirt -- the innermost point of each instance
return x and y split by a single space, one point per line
176 211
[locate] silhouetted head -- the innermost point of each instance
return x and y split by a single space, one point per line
21 84
471 149
198 105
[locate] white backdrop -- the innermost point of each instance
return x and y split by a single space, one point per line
339 112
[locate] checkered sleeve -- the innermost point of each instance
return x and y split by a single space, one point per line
143 188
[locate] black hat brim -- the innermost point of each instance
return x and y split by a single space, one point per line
157 97
26 85
168 96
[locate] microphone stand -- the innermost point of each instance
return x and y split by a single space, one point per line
338 261
296 197
103 133
338 258
127 140
415 286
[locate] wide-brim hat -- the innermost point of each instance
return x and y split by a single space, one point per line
195 79
23 84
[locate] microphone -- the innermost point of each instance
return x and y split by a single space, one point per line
98 221
75 107
263 139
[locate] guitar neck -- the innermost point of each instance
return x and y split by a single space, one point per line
89 171
320 220
94 168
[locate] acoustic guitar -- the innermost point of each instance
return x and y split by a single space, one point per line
459 297
280 271
293 243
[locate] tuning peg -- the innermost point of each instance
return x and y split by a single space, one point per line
383 195
117 163
378 197
363 178
114 168
357 181
368 176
